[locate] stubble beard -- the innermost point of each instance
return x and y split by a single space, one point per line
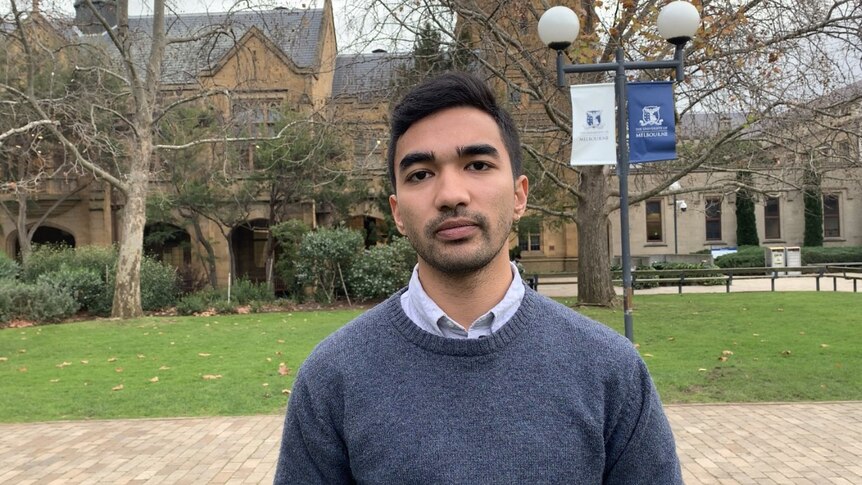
448 257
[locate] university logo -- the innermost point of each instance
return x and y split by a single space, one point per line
594 119
650 116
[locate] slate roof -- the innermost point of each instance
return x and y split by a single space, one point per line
358 74
295 32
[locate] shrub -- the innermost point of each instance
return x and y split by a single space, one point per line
224 307
84 285
289 235
821 255
325 256
745 257
38 302
382 270
8 268
191 304
244 291
48 258
159 285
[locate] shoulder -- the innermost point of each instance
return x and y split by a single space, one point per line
347 345
575 332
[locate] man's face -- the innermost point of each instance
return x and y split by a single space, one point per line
456 196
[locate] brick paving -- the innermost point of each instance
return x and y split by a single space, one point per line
792 443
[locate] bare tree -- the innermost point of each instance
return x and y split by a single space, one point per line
131 87
753 57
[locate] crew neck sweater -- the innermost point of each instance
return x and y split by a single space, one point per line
552 397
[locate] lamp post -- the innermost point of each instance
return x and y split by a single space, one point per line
681 205
677 23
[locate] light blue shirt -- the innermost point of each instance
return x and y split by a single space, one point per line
422 310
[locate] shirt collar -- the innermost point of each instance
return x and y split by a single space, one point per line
423 311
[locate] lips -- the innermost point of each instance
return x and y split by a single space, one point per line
455 229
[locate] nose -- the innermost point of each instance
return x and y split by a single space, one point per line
451 190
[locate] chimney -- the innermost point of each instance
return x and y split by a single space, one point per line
87 21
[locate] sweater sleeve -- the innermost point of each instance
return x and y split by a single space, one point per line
312 450
642 449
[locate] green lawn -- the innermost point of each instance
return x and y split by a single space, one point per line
68 371
749 346
776 347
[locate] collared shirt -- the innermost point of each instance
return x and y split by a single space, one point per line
425 313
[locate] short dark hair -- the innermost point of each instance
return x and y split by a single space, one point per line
450 90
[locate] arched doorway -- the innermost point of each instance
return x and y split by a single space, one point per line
46 235
249 241
168 243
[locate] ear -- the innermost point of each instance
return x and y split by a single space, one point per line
393 205
522 188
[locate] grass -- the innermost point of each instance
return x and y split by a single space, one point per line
775 347
68 371
748 346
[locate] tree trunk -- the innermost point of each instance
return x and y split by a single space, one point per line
594 281
212 276
24 237
127 291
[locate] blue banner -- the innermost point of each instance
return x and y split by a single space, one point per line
651 122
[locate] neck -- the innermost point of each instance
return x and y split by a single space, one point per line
466 297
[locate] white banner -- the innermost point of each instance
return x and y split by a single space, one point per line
593 125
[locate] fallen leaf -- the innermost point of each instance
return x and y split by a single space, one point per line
283 370
85 362
726 352
781 309
722 359
112 359
648 355
756 334
265 384
22 351
280 341
64 364
55 380
285 391
203 354
269 359
118 369
671 339
637 346
141 356
22 369
117 388
210 377
155 379
4 359
801 333
785 353
823 346
164 367
701 370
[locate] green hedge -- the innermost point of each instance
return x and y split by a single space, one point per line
755 256
820 255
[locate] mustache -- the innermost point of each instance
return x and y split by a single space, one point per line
457 213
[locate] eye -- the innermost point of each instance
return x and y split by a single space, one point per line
479 166
418 176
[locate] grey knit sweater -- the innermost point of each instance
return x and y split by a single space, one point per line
552 397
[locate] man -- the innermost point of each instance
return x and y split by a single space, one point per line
466 376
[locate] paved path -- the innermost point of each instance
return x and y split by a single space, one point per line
802 443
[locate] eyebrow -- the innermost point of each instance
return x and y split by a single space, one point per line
414 158
478 149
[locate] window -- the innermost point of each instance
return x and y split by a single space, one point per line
713 218
530 234
772 218
831 216
530 241
653 221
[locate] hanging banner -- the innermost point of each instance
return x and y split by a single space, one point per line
651 122
593 125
